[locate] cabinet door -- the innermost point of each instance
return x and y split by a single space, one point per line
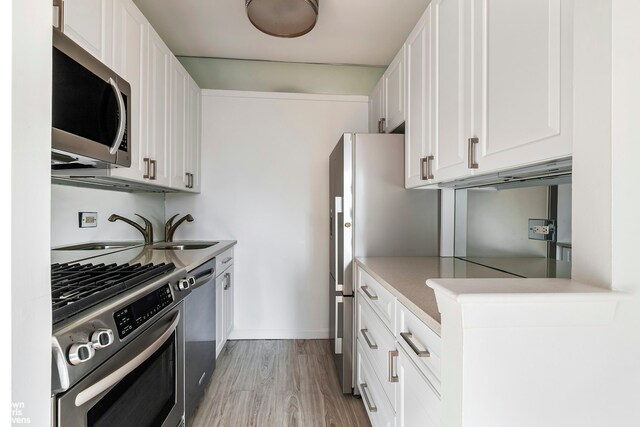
180 122
418 124
193 141
130 61
228 302
89 23
522 82
418 403
450 130
394 79
158 107
376 106
220 341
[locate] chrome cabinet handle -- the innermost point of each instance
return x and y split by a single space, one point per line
408 337
429 167
154 167
227 279
423 166
382 124
147 168
372 407
60 5
471 156
371 344
226 260
116 376
372 297
188 179
393 378
122 119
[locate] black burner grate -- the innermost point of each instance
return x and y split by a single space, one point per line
76 287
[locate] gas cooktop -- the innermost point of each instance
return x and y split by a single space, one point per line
77 287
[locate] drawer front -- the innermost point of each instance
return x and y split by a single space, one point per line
224 260
380 298
375 403
418 402
379 345
421 344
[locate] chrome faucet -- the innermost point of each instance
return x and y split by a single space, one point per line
170 228
147 231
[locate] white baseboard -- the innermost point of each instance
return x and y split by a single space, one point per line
278 334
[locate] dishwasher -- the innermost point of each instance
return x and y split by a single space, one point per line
200 334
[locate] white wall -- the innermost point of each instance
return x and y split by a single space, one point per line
30 206
265 173
274 76
67 201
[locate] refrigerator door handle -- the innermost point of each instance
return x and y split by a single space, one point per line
338 324
336 240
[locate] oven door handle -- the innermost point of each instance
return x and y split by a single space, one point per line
116 376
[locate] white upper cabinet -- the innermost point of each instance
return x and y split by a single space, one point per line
192 147
179 119
418 151
158 111
130 62
89 23
394 92
522 82
376 107
450 129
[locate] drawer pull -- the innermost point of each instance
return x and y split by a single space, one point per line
367 399
393 378
408 337
372 297
365 334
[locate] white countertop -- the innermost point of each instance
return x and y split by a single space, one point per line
187 258
405 278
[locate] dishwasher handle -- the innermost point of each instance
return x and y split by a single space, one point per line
203 277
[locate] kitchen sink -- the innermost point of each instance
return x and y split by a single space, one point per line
179 246
96 246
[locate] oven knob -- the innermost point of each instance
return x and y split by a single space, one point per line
183 284
80 352
191 280
102 338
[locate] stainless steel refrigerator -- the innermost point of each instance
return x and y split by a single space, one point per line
371 214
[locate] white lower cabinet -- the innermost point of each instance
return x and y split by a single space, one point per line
418 402
378 409
398 374
224 298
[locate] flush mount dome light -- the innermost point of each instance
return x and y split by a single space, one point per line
283 18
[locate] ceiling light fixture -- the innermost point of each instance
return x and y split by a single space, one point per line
283 18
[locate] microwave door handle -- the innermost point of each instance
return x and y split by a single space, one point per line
116 376
122 121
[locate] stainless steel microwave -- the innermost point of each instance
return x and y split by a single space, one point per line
91 114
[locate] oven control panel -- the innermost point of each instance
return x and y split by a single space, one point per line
129 318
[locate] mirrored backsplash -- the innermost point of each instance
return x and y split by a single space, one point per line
493 227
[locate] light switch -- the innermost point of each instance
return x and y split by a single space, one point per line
88 219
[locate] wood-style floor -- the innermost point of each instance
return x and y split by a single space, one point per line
277 383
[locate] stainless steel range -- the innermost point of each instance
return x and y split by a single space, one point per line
118 344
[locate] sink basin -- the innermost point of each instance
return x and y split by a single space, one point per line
179 246
96 246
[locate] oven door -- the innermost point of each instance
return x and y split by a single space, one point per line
141 385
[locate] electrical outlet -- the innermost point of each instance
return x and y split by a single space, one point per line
542 229
88 219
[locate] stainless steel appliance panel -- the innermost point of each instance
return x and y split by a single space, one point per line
142 384
91 118
200 335
389 219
